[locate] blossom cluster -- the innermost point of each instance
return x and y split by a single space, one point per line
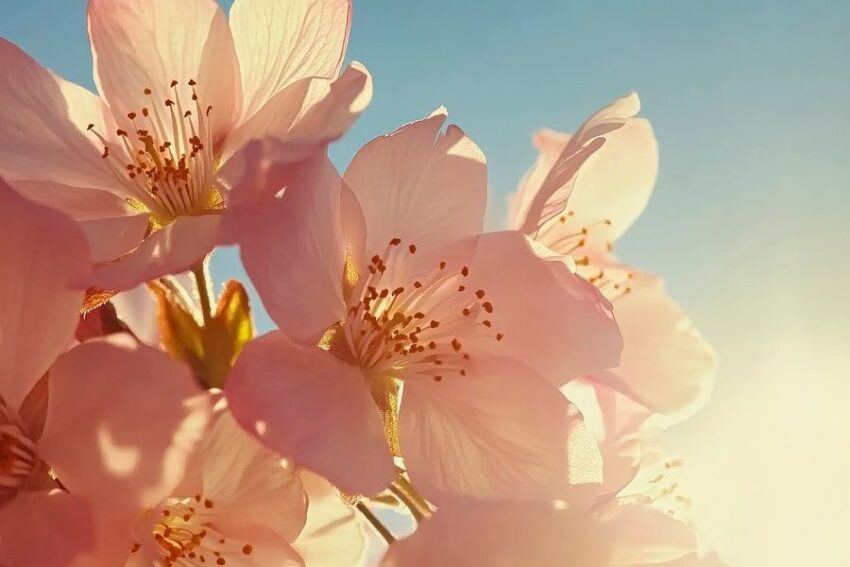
475 398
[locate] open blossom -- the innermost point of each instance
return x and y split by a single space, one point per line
238 504
112 421
581 195
403 335
181 91
638 518
236 489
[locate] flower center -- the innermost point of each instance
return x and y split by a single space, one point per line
18 457
186 535
171 169
572 243
614 284
416 328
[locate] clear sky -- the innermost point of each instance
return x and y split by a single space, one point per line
748 223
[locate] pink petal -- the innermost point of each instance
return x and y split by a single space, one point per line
644 536
335 534
279 43
306 116
551 319
308 405
45 529
121 422
616 422
112 227
147 44
136 307
304 229
611 183
249 484
171 250
545 189
43 253
44 119
500 432
419 185
478 534
111 238
665 365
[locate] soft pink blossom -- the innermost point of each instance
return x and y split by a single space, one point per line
238 501
113 421
386 291
584 191
181 91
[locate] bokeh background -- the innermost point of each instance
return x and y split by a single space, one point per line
748 223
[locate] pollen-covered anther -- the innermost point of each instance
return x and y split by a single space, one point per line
403 327
171 168
186 535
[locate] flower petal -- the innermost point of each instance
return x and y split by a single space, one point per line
171 250
303 229
147 44
550 318
279 43
45 529
43 253
500 432
121 422
334 535
307 115
421 186
665 365
137 308
486 534
644 536
604 172
306 404
249 484
112 227
44 119
616 422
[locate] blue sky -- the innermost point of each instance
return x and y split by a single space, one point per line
748 221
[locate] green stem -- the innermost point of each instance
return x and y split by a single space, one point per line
405 492
376 523
202 283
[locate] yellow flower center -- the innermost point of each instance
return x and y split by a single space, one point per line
186 535
171 167
398 327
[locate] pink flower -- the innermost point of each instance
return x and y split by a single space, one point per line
582 194
246 482
239 501
181 92
114 421
388 296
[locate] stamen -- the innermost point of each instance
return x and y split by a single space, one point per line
384 325
170 172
